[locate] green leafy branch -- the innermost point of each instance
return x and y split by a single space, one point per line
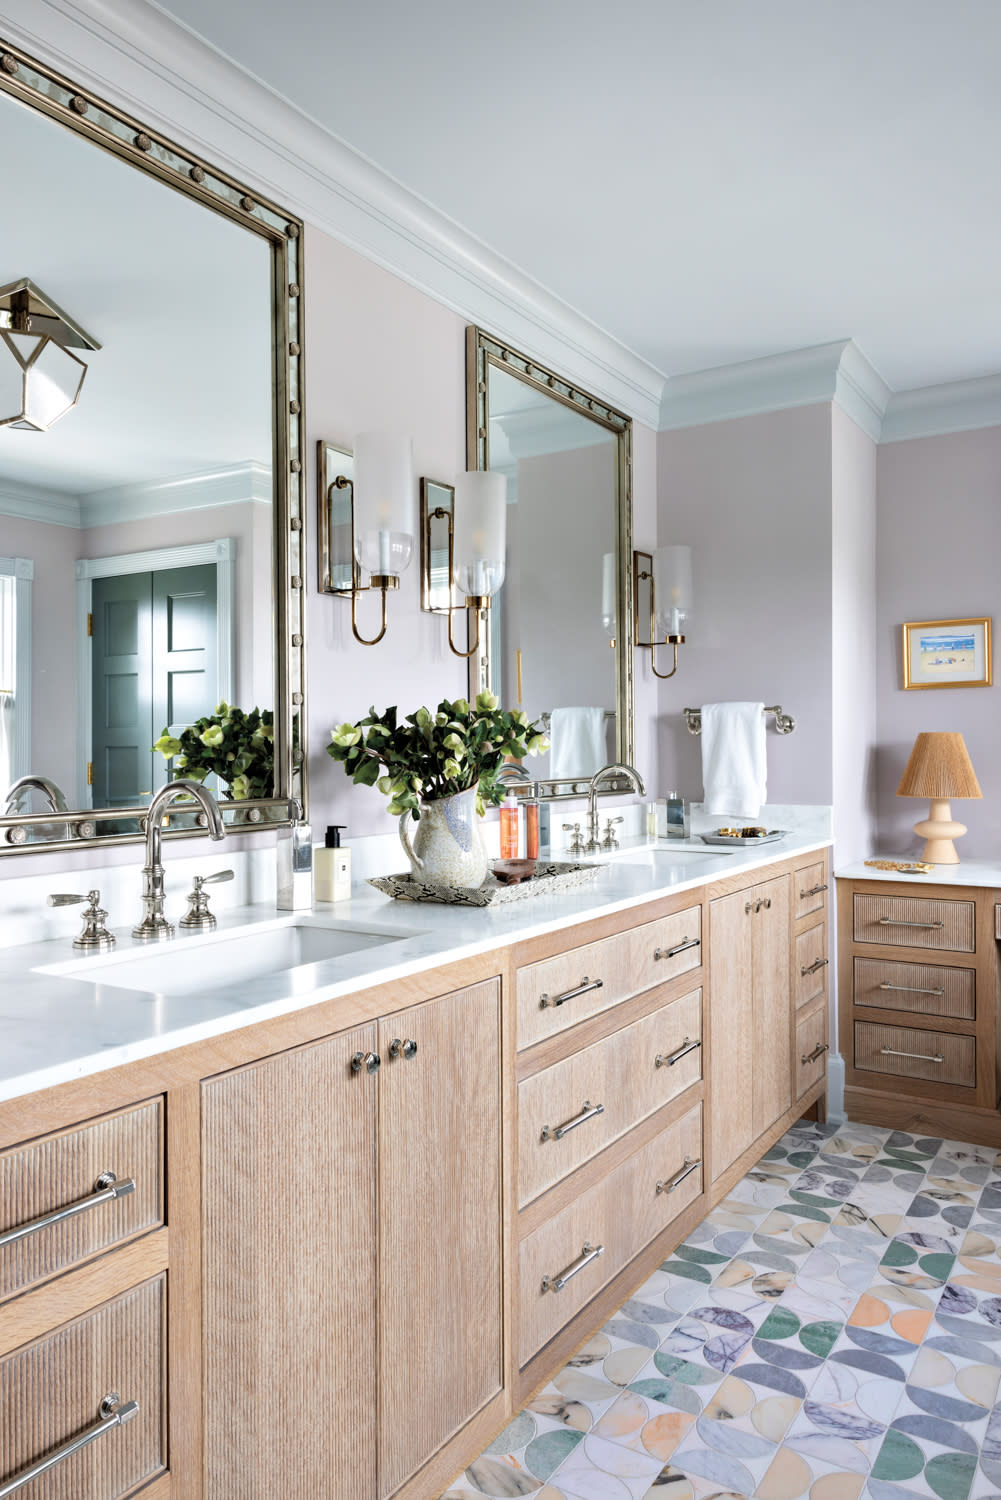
237 747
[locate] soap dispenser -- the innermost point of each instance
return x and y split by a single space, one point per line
332 868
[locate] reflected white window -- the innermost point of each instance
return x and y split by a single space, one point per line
16 574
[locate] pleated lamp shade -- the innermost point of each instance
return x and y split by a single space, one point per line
939 768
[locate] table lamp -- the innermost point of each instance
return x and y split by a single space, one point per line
939 768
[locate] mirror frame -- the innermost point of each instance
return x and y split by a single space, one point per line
112 130
484 353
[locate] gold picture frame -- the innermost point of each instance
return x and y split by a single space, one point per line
947 653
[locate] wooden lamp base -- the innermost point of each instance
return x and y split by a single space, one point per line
940 829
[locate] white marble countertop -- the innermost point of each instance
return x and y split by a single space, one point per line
980 872
55 1028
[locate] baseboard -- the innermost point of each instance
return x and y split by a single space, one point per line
954 1122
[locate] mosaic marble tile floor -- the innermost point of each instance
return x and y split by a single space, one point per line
831 1331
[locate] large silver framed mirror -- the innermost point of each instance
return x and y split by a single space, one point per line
557 639
150 471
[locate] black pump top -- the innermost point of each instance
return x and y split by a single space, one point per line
333 838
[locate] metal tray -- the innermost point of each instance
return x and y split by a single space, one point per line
723 841
550 876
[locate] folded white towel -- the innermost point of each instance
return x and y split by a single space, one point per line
577 737
733 758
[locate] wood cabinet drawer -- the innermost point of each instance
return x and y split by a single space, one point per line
811 1049
621 1214
811 964
558 992
809 889
57 1207
906 1052
571 1111
915 922
922 989
51 1393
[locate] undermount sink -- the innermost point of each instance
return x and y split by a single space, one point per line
656 854
187 965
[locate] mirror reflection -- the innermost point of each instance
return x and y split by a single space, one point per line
136 495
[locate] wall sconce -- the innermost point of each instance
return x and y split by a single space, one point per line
40 380
365 519
668 575
463 541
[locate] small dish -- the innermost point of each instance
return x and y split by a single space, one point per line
512 871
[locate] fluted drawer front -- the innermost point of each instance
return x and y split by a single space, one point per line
46 1175
922 989
571 1111
622 1214
811 964
906 1052
51 1393
809 889
915 922
558 992
812 1049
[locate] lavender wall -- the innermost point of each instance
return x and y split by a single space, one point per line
938 551
752 497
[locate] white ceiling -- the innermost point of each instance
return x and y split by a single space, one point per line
710 182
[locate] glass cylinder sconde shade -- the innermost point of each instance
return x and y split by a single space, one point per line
608 592
479 533
384 502
672 576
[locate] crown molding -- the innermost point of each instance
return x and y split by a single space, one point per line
149 64
933 410
30 502
234 485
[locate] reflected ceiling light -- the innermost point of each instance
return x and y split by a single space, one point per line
40 380
668 574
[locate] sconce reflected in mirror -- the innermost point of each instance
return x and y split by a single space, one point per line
463 541
366 524
608 587
666 576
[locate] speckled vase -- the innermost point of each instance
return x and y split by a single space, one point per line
447 847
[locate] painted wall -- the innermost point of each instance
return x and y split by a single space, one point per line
752 498
938 546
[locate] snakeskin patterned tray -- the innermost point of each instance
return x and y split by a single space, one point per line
549 877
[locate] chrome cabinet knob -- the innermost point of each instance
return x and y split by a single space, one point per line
366 1062
406 1049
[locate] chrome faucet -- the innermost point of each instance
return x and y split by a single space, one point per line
619 769
52 793
154 926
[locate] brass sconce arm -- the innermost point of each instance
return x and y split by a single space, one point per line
474 602
381 581
644 574
670 640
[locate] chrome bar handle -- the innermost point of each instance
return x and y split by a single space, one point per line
557 1283
818 963
683 946
893 922
814 890
588 1112
687 1168
921 1056
583 988
668 1059
913 989
113 1412
106 1188
818 1051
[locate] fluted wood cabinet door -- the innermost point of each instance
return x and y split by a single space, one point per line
440 1224
731 958
772 1091
288 1162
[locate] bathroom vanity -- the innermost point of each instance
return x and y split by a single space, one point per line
362 1206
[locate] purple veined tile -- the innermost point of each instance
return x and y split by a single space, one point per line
836 1421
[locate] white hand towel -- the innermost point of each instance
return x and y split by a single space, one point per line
733 758
577 737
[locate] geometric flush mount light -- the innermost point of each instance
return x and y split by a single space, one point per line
377 520
40 380
668 577
471 555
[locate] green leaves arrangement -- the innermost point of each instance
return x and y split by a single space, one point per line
429 755
237 747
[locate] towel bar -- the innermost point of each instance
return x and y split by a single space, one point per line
784 723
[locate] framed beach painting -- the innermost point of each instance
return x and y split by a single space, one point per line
947 653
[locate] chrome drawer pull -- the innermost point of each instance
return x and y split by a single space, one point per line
582 989
588 1112
921 1056
557 1283
818 1051
687 1168
912 989
892 922
106 1188
818 963
668 1059
113 1413
814 890
683 946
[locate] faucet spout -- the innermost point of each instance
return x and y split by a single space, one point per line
154 927
618 768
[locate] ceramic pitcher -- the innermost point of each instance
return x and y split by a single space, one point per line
447 848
